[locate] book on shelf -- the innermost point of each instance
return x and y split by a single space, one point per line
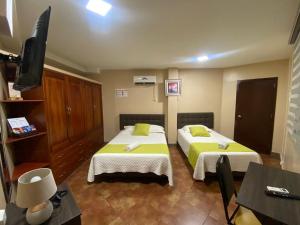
20 127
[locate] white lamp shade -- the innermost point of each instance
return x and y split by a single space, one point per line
35 187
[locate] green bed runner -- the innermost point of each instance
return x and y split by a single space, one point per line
197 148
142 149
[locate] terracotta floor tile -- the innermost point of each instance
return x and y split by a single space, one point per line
115 201
186 213
210 221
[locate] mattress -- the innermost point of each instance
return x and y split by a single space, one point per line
206 162
159 164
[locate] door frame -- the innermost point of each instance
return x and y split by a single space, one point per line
269 151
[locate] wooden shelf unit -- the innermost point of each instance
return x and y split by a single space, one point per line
19 169
10 140
22 101
30 151
63 141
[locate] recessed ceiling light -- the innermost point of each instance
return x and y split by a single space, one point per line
202 58
99 6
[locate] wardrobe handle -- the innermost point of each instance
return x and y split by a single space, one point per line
68 110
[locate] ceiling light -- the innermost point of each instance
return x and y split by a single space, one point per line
98 6
202 58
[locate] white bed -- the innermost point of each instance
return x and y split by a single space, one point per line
207 161
160 164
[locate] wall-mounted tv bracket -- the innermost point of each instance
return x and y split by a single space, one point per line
10 59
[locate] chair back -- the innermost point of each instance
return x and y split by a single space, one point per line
226 182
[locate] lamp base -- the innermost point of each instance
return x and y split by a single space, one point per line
39 214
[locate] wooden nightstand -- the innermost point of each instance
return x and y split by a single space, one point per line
67 214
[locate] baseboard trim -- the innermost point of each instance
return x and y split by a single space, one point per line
172 145
275 155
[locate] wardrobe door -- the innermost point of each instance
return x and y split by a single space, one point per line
97 100
76 125
89 107
54 90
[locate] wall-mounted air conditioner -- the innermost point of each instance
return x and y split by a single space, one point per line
144 80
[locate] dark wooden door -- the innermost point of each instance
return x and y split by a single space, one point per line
89 106
54 90
76 122
255 111
97 101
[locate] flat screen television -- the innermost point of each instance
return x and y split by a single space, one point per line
30 69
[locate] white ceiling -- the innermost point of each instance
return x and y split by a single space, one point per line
164 33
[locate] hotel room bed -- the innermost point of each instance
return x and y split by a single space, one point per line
152 156
206 161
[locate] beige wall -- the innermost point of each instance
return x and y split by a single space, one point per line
141 99
172 110
260 70
201 92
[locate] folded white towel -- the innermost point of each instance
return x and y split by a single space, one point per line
132 146
223 144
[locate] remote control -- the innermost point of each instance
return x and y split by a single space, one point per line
281 192
277 190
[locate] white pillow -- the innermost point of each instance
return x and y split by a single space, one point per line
153 129
186 128
156 129
129 128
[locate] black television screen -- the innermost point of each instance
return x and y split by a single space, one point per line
30 70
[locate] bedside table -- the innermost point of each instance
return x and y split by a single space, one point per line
67 213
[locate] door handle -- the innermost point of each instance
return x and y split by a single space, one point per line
240 116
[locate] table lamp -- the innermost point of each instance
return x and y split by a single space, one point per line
35 188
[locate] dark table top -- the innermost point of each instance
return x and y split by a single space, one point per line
252 193
67 213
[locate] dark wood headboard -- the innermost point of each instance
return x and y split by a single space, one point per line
131 119
206 118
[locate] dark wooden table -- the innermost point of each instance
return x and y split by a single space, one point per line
252 193
67 213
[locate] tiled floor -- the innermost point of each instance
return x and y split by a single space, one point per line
129 202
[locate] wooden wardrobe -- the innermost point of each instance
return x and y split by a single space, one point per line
73 120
